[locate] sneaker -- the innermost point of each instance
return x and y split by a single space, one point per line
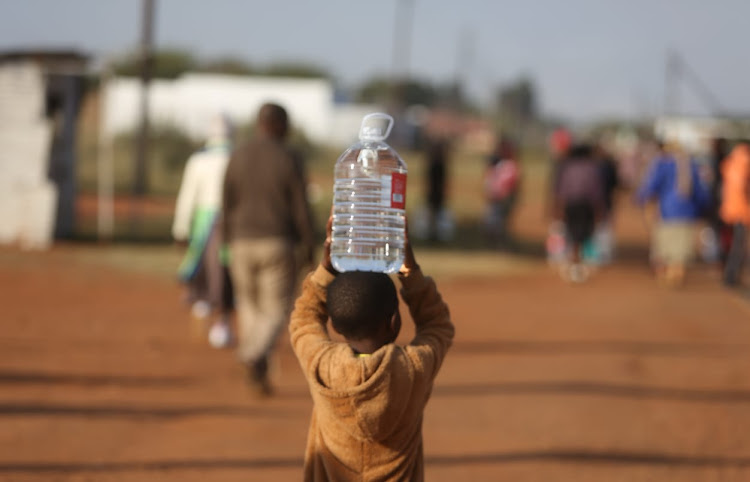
201 310
675 276
220 335
578 273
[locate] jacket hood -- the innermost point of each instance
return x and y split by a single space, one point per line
372 392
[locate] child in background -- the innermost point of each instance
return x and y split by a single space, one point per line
502 180
204 268
368 394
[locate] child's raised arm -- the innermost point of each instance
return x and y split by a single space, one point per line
434 330
307 326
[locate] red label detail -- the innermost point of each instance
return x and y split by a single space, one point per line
398 190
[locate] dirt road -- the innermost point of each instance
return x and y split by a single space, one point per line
614 380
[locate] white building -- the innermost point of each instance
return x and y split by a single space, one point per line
40 93
696 133
190 101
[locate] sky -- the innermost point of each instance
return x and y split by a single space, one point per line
589 59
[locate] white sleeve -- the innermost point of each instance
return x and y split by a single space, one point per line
186 199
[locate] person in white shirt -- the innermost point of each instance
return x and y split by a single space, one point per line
204 269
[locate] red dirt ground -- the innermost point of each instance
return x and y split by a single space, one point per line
613 380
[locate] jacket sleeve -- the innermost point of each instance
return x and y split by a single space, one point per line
302 217
186 200
651 185
434 330
228 197
701 192
307 327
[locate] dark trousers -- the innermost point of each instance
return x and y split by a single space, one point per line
736 256
580 221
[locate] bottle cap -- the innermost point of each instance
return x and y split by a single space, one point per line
375 127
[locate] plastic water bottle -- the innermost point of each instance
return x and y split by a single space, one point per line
369 201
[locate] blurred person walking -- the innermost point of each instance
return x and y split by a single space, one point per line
674 181
436 176
266 216
735 209
722 232
502 180
560 142
604 242
204 269
579 204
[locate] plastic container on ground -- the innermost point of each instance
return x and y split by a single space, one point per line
369 201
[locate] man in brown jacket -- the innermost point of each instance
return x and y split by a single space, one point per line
369 394
265 215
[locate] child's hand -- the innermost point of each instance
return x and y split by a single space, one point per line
326 261
410 262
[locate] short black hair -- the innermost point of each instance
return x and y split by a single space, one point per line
273 118
360 302
581 151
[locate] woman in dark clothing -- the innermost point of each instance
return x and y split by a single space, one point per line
579 202
436 174
610 182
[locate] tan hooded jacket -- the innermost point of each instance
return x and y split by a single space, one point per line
367 415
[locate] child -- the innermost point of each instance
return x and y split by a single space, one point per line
502 180
368 393
204 269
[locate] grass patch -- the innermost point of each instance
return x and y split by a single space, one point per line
161 260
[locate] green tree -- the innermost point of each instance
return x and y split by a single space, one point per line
295 69
408 92
167 64
517 102
419 93
227 65
376 90
452 95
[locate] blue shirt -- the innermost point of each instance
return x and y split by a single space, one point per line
661 184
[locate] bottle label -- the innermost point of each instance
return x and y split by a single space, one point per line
398 190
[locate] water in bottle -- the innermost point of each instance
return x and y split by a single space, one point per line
369 201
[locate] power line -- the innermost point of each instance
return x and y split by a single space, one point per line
678 70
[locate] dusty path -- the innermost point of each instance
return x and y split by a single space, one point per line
612 381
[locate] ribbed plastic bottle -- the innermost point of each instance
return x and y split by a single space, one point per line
369 201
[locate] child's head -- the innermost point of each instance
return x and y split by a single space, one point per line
363 306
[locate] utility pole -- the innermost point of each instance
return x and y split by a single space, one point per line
140 181
401 49
678 71
710 101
